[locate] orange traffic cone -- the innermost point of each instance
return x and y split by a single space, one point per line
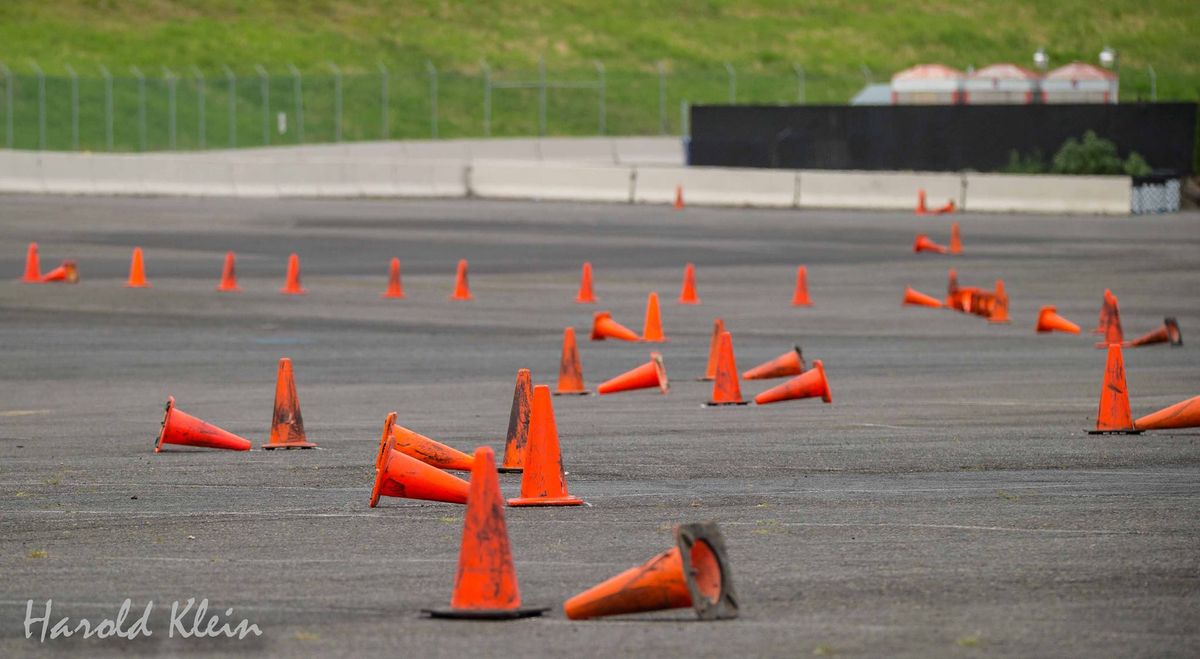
999 312
186 430
287 426
1168 333
1180 415
570 372
1114 416
137 271
916 298
652 331
726 388
604 327
33 266
800 295
518 424
543 483
955 239
921 207
678 197
787 364
292 285
809 384
437 454
395 289
586 295
714 345
228 276
401 475
924 244
687 294
695 572
462 291
952 288
1105 310
1112 325
485 585
1049 321
651 374
66 273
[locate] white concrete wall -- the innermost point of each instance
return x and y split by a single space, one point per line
1017 193
881 190
513 180
716 186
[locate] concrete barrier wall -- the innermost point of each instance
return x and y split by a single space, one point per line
20 171
510 180
716 186
1015 193
877 190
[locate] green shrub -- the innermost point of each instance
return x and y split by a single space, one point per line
1030 164
1136 165
1096 155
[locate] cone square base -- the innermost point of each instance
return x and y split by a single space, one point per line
545 501
165 422
511 470
1125 431
727 404
581 392
272 447
486 614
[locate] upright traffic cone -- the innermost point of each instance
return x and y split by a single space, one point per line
678 197
66 273
999 312
1112 326
726 388
33 266
1105 310
462 290
800 295
431 452
518 423
714 348
401 475
924 244
292 285
586 295
186 430
543 483
395 289
687 294
921 208
287 426
651 374
916 298
1114 416
1168 333
695 572
1180 415
955 239
228 282
652 330
485 585
604 327
787 364
951 288
570 372
810 384
1049 321
137 271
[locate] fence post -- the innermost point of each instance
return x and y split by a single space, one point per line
662 98
298 93
232 105
141 79
41 78
108 107
264 83
487 97
729 70
603 110
799 83
1153 83
542 96
74 106
685 127
337 101
433 98
383 101
169 76
8 103
866 71
200 123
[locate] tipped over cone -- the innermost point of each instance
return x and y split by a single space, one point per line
810 384
1168 333
292 285
186 430
434 453
137 271
955 239
651 374
687 294
570 371
1049 321
395 289
800 295
695 572
914 298
785 365
228 283
462 290
1114 416
652 330
287 426
400 475
586 295
924 244
604 327
726 388
714 345
543 483
1180 415
33 266
67 273
518 423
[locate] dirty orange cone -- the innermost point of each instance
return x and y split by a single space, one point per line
955 239
714 345
1112 328
1180 415
543 483
916 298
66 273
570 372
485 585
401 475
999 312
800 296
726 388
921 209
33 266
1168 333
1105 309
924 244
687 294
651 374
292 285
462 290
518 424
186 430
604 327
679 197
1113 416
1049 321
788 364
228 282
431 452
137 271
287 426
695 572
810 384
395 289
586 295
652 331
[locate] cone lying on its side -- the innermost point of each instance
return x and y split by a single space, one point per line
1114 416
651 374
292 285
810 384
955 239
543 482
923 209
186 430
1050 321
800 295
431 452
518 423
462 289
66 273
652 331
1168 333
918 299
1185 414
788 364
399 475
695 572
714 345
924 244
287 426
137 271
999 312
726 388
1112 326
687 294
395 288
33 266
604 327
570 371
228 283
485 584
1105 309
586 295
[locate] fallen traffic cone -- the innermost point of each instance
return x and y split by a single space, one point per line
810 384
800 295
434 453
651 374
186 430
678 197
1049 321
1168 333
687 294
33 266
137 271
228 276
485 584
292 285
1180 415
1114 416
695 572
395 289
1105 310
543 483
586 295
924 244
726 388
66 273
604 327
955 239
652 331
400 475
570 372
1112 327
999 312
518 424
789 363
916 298
714 345
287 426
462 290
